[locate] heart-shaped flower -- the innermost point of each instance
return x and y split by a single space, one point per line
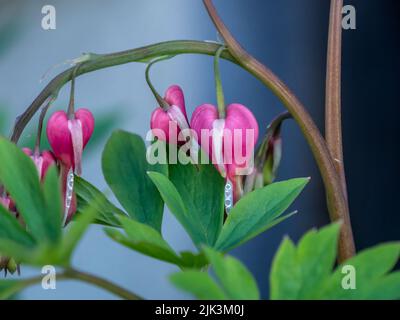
68 137
173 119
42 160
228 141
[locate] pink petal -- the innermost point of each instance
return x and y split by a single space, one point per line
175 97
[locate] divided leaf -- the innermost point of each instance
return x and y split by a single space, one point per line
202 191
306 271
20 178
148 241
144 239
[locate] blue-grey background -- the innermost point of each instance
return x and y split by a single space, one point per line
289 36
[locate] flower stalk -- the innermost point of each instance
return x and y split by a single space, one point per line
218 84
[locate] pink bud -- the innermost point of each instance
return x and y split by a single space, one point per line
68 137
42 160
160 118
233 138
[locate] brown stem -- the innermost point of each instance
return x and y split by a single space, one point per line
336 201
333 125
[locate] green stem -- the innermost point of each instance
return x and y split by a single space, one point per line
163 104
40 124
73 274
71 105
102 283
218 84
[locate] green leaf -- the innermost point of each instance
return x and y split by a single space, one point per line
144 239
8 288
200 284
11 230
370 266
148 241
175 203
236 281
19 176
317 261
285 276
75 232
306 272
192 260
53 211
87 193
22 253
385 288
124 166
202 191
257 211
300 273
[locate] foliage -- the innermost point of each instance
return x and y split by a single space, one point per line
302 272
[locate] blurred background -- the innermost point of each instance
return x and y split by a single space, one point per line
289 36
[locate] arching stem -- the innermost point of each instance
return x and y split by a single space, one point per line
161 101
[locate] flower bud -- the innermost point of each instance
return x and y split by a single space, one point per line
268 156
42 160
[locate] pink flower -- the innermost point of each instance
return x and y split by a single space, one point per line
42 160
231 142
68 137
161 118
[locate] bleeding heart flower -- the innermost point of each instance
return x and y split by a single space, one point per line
68 137
226 150
42 160
161 118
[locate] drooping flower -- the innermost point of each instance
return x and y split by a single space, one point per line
175 112
42 160
231 140
68 137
